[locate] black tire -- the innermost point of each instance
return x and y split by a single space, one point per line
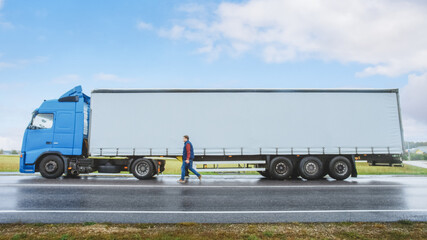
311 168
264 174
281 168
143 169
51 166
340 168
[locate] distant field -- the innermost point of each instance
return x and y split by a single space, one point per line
11 164
346 230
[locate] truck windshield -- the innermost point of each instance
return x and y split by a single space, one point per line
42 121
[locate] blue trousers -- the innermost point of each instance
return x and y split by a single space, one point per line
190 167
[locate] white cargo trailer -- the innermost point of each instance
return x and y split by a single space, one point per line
277 132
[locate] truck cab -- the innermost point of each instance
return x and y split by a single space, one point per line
60 128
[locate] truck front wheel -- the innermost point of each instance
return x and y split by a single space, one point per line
340 168
143 169
311 168
281 168
51 166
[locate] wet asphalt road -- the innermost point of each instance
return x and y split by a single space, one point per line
218 199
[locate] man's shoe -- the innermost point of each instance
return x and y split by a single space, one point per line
200 177
181 181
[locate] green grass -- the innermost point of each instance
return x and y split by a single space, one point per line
394 230
363 168
11 164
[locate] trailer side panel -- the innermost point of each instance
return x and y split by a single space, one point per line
245 123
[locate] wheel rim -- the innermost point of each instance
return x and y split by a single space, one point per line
341 168
311 168
142 169
281 168
51 166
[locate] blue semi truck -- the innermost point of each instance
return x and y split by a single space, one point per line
280 133
58 128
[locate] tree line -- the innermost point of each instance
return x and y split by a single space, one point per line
11 152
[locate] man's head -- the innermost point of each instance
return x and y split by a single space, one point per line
185 138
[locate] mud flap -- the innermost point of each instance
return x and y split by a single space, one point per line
353 166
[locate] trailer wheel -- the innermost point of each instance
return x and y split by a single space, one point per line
339 168
281 168
143 169
264 174
51 166
311 168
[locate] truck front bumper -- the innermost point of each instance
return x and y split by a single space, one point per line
24 168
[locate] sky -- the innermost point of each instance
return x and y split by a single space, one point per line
47 47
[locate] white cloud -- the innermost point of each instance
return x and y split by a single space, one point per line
67 79
388 36
175 32
4 65
144 26
109 78
7 143
192 8
21 62
414 97
414 130
414 101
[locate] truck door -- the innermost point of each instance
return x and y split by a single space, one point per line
63 140
40 134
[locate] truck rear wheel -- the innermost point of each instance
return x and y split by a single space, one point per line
281 168
339 168
143 169
51 166
311 168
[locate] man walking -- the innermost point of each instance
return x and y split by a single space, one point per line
187 159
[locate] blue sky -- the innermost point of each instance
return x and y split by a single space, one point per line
48 47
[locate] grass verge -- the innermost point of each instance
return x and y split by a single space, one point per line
397 230
11 164
363 168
